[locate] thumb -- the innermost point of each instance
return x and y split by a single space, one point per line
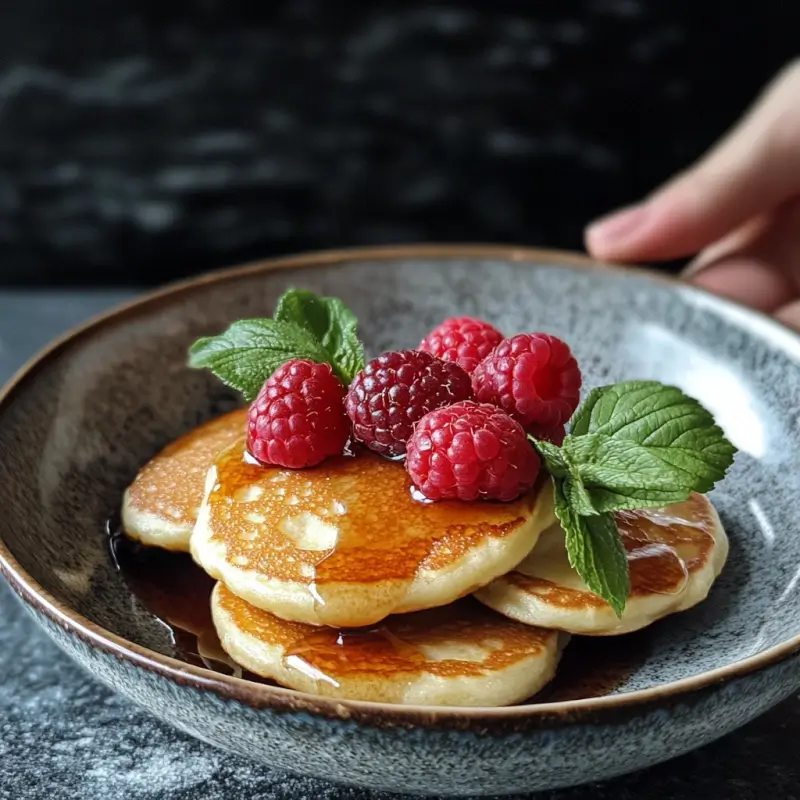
755 168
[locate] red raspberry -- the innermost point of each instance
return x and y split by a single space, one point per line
298 419
397 389
555 435
465 340
532 376
471 450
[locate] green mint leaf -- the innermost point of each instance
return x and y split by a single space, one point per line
566 514
250 350
321 329
641 444
552 456
621 475
582 418
557 462
331 323
594 548
611 407
632 445
604 563
579 497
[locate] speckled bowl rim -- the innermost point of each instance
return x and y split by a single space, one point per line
263 696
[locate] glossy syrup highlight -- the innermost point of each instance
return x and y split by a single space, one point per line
344 530
177 593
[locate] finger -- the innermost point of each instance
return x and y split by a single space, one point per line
737 241
764 272
750 281
790 315
753 169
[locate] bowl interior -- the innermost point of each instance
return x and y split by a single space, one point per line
77 428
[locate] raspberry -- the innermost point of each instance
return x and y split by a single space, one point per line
532 376
555 435
465 340
397 389
298 419
471 450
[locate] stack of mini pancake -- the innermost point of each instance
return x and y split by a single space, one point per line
337 580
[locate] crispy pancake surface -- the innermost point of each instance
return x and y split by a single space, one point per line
160 507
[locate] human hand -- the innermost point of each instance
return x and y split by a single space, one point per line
738 208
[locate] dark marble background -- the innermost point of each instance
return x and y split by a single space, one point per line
141 141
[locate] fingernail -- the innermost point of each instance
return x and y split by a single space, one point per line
696 265
617 226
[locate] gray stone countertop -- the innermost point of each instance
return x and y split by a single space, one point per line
63 736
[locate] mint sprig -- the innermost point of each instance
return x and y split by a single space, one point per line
637 444
305 325
594 547
330 322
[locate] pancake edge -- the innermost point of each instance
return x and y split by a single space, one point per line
508 686
517 604
294 601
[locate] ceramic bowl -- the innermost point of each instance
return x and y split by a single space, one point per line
78 422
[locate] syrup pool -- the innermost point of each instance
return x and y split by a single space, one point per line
176 592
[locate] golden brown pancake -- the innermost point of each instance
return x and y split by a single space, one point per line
674 555
346 544
461 655
160 506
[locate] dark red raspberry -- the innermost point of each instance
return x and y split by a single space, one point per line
298 418
469 451
532 376
396 390
554 435
465 340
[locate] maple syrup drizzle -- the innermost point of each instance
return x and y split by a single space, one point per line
664 547
394 529
176 592
350 521
463 639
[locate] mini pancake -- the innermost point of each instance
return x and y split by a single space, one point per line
346 544
674 555
160 507
461 655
